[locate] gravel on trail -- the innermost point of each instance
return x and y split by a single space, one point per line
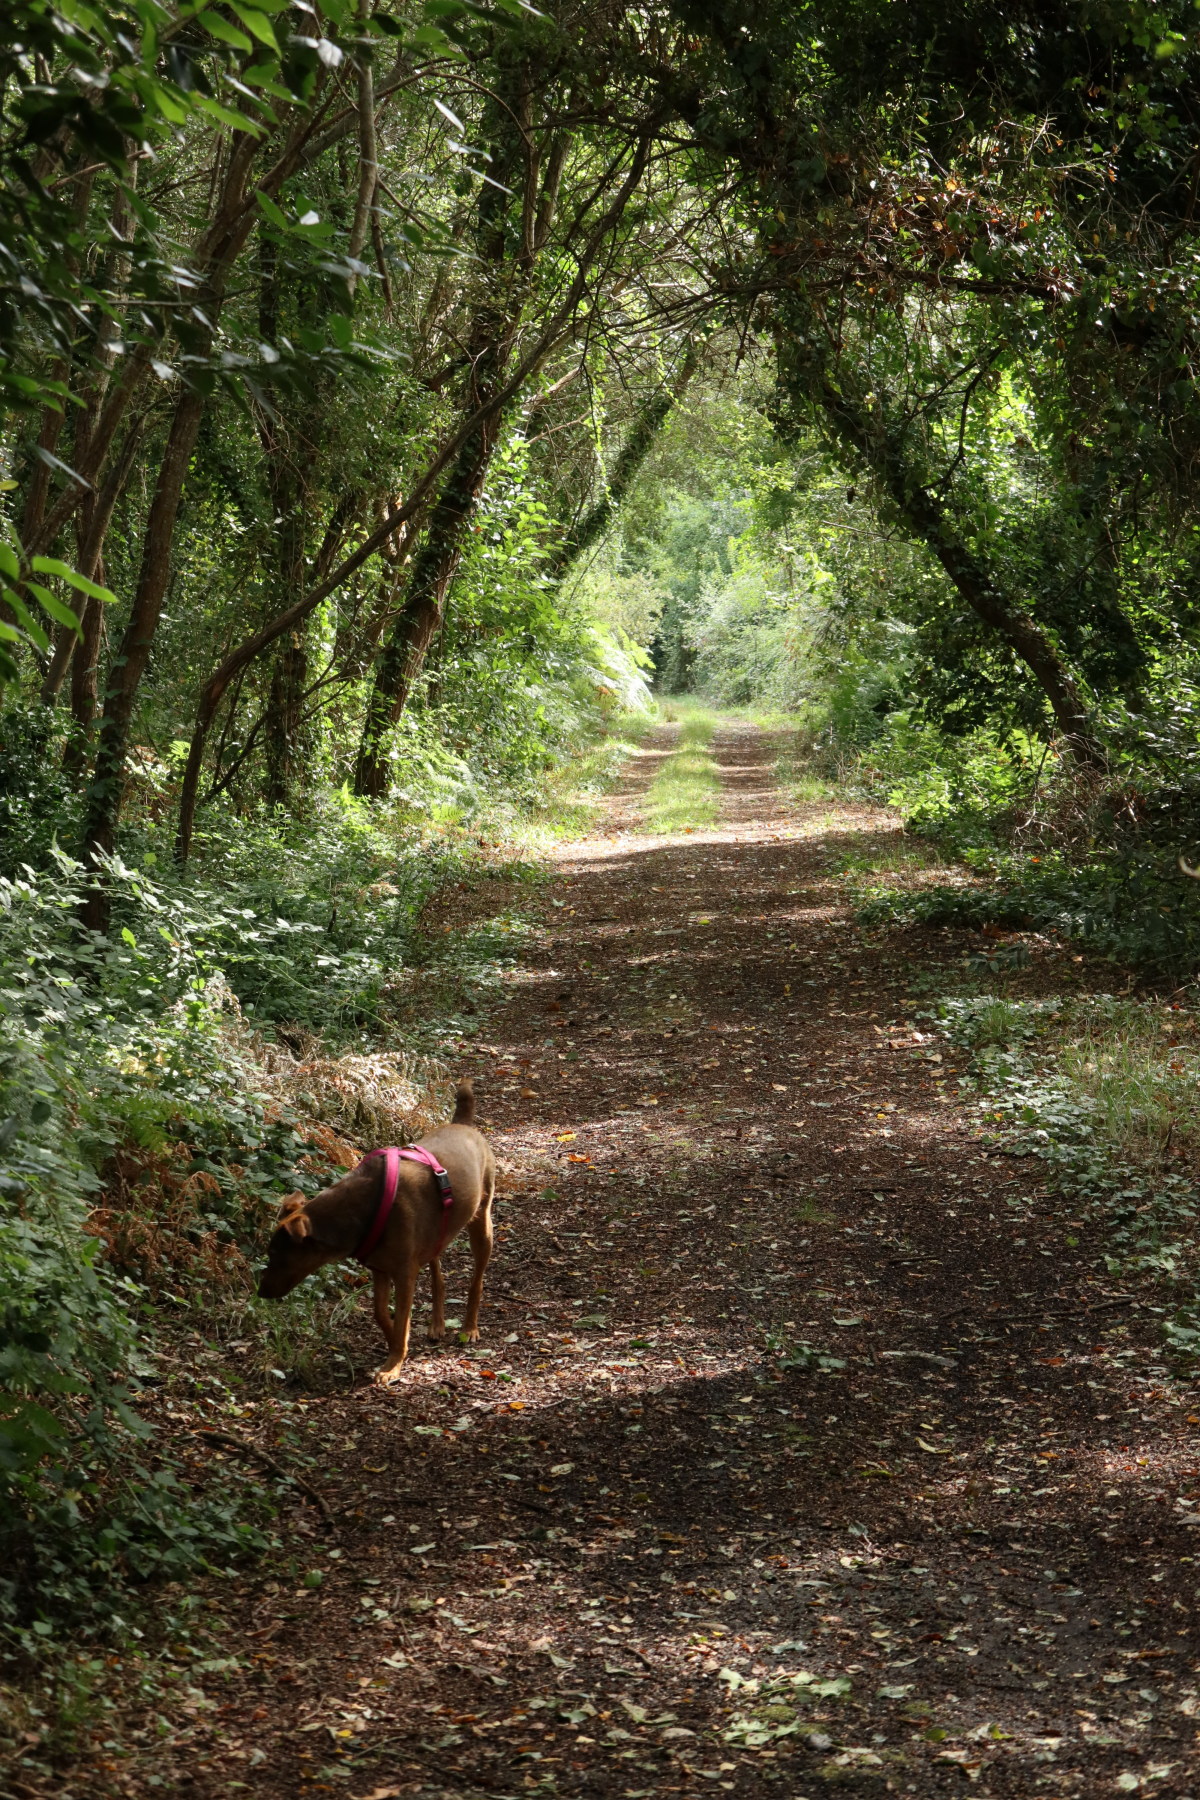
808 1445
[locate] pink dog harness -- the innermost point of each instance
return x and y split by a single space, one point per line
391 1181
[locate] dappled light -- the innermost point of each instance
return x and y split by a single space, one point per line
645 560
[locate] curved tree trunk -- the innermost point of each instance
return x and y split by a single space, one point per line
927 518
433 570
642 438
103 804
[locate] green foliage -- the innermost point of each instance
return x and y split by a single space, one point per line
1131 906
100 1044
39 803
1104 1090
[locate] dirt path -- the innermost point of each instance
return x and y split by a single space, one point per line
794 1458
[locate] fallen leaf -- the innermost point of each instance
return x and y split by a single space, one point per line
933 1451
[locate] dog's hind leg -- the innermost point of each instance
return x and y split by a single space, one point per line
437 1291
406 1287
480 1233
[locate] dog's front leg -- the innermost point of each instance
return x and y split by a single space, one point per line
437 1291
480 1233
406 1287
383 1307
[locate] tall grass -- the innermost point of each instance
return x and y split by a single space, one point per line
1131 1062
685 794
1123 1074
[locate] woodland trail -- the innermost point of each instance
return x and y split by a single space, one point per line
631 1549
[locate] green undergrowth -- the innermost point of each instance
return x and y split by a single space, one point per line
239 1026
1137 911
1029 841
1106 1090
800 774
685 793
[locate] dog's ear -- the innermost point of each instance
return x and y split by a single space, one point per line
293 1218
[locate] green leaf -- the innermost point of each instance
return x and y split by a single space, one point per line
273 212
58 609
8 562
166 103
262 75
50 565
256 23
220 28
26 620
236 121
31 1425
431 40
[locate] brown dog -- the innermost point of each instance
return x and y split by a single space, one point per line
337 1221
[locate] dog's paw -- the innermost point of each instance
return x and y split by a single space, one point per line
435 1337
389 1377
469 1337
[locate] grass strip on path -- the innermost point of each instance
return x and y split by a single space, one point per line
685 794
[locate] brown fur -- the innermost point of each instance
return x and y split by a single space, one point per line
311 1233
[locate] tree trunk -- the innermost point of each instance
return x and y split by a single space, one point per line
284 721
92 522
85 673
368 167
498 314
433 570
291 619
642 438
927 517
103 803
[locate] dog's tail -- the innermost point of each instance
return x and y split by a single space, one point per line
464 1104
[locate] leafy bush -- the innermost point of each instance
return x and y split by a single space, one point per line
1132 907
100 1044
39 803
1107 1091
